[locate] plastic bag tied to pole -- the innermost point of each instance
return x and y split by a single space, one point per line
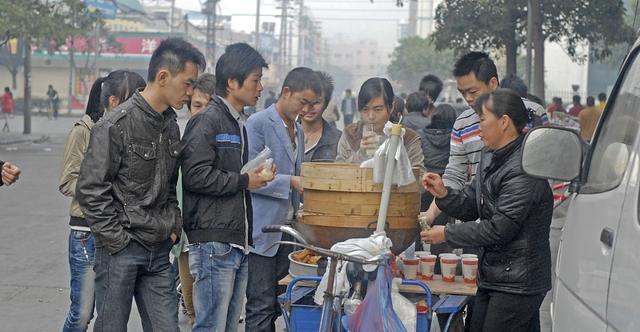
375 313
403 174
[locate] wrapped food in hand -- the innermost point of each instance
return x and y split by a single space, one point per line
422 220
267 170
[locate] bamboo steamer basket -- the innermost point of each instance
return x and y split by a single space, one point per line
342 202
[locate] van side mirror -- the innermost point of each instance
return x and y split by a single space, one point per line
552 153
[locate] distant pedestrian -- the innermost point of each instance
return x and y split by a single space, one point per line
602 101
588 119
203 90
270 99
127 192
418 105
54 102
577 107
348 107
7 103
106 93
432 86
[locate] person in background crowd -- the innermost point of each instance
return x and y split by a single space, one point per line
432 86
360 140
203 90
218 215
9 173
418 106
537 111
602 101
271 99
398 111
54 101
320 137
127 193
515 212
556 109
106 94
577 107
331 114
588 119
348 107
279 201
7 103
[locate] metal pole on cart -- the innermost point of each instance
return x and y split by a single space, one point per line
394 141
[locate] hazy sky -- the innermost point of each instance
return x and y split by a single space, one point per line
351 20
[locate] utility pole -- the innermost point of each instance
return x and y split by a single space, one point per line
27 84
257 41
538 49
529 50
210 11
283 36
301 35
171 12
289 45
413 18
97 50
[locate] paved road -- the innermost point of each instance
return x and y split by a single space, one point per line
34 290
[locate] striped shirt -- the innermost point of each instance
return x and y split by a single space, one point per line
466 145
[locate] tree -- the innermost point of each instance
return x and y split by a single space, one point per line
416 57
40 22
484 24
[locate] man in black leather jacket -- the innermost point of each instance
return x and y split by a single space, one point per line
127 192
515 209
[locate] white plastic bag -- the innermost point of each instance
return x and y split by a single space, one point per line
405 310
256 162
403 174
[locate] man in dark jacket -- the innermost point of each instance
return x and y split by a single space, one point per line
320 138
127 192
348 107
217 205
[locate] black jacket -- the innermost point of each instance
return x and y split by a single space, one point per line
436 146
327 147
516 214
416 122
127 183
216 203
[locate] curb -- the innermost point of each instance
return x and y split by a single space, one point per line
39 140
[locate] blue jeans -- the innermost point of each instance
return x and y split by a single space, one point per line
82 281
138 272
219 284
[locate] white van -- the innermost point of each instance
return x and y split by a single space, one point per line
597 284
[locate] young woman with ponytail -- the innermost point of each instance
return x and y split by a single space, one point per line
106 93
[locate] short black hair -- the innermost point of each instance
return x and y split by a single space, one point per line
576 99
591 101
602 96
417 102
443 117
326 82
516 84
398 109
373 88
431 85
173 54
206 83
477 63
505 102
237 62
302 78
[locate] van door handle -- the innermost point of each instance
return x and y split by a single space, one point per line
606 237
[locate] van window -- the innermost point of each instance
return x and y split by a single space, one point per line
616 136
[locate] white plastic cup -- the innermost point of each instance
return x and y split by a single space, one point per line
448 265
410 268
469 269
427 266
468 256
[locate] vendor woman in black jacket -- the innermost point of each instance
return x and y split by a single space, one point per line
515 209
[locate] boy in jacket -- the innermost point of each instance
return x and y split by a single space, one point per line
217 204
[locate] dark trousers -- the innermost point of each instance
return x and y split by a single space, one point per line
498 311
262 308
348 119
135 272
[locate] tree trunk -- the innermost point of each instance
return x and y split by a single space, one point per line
510 43
27 86
538 49
14 78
